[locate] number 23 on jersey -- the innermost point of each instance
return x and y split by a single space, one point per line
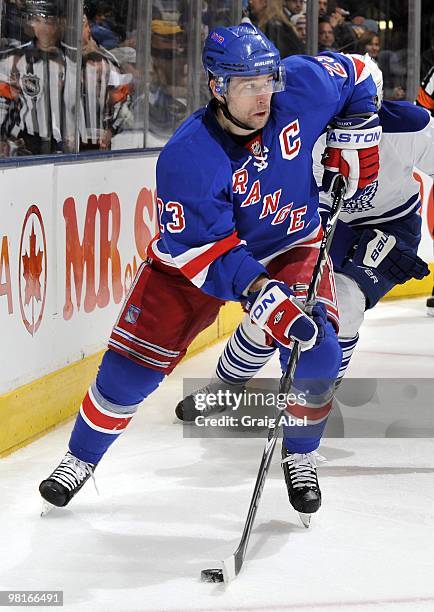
176 210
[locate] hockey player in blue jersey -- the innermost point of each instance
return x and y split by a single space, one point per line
239 221
374 247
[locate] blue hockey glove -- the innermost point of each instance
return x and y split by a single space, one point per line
380 261
390 256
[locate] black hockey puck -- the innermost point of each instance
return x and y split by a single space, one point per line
212 575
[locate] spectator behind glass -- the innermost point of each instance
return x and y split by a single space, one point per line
299 22
369 43
322 8
102 27
292 7
393 64
168 86
32 84
257 12
279 29
326 38
345 37
127 58
371 25
398 93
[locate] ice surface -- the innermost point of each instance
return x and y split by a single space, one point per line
170 506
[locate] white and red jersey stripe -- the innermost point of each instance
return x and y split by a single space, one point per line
361 71
194 263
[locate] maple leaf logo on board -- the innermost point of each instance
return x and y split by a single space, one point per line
32 270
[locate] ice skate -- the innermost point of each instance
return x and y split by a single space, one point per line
430 306
302 482
187 409
65 482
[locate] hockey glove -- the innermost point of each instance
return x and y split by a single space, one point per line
381 261
390 256
275 309
352 151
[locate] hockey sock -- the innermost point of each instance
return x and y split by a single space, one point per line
312 409
312 393
97 426
347 345
243 356
110 404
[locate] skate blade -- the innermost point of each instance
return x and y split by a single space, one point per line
46 508
305 519
430 312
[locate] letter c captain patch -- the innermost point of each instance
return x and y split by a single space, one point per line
290 142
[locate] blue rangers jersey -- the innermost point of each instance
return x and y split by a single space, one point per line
225 209
407 141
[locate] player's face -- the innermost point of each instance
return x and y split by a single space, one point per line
249 100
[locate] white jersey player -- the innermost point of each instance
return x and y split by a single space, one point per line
387 214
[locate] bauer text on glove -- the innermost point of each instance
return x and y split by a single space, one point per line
392 257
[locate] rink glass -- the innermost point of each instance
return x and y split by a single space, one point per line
156 68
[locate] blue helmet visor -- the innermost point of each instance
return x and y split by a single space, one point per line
251 85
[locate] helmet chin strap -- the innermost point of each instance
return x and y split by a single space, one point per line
227 113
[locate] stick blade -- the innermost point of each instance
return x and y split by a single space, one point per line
229 569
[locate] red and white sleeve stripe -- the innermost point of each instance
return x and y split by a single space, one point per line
361 72
194 263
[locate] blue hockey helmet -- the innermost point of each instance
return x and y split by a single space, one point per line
241 51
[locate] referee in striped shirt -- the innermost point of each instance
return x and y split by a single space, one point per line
38 113
33 83
105 96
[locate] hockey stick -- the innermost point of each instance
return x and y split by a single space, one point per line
233 564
